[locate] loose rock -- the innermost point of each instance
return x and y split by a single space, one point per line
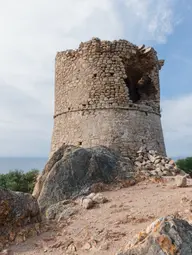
87 203
99 198
181 181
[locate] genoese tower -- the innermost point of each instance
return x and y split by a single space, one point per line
108 93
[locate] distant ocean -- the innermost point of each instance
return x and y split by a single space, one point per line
25 164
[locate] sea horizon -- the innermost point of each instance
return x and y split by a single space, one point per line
21 163
27 163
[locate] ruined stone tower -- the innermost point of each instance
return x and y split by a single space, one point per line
107 93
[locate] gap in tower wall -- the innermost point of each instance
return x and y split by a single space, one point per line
139 84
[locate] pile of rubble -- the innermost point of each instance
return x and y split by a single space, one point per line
150 163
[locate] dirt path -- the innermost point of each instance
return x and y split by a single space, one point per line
105 229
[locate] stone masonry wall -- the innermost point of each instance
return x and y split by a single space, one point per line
123 130
107 93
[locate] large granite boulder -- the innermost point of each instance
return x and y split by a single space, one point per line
72 170
19 216
165 236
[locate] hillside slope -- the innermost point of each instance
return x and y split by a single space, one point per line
108 227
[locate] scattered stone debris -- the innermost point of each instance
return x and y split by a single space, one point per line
167 235
150 163
92 199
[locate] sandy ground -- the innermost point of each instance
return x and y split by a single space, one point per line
105 229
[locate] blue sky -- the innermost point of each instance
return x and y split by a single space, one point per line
175 77
33 31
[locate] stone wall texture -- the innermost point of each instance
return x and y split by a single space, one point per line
108 93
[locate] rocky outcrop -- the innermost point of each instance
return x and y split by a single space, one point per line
19 216
166 236
73 170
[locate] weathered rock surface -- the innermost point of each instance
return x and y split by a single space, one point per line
17 211
61 210
72 170
166 236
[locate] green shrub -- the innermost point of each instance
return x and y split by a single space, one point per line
185 164
17 180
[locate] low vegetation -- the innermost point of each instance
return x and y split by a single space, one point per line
185 164
18 180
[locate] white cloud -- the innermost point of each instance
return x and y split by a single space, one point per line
177 124
33 31
154 20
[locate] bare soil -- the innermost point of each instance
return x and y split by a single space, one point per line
108 227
